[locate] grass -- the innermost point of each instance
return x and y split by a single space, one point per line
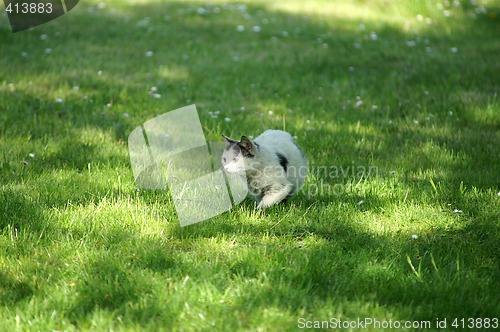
395 105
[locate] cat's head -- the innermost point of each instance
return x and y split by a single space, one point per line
235 154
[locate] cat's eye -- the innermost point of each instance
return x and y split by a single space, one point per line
224 159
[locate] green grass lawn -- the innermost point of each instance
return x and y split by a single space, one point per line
395 104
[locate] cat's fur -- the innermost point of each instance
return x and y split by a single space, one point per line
273 164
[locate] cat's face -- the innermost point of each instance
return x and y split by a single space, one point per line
233 160
233 157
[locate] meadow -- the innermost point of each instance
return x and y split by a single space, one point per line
394 103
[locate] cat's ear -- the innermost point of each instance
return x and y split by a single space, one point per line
229 140
247 146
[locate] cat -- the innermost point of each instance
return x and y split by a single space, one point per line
273 164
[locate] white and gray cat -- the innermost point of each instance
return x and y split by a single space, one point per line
273 164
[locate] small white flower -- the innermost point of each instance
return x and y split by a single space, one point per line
374 107
227 119
270 112
157 95
99 73
457 211
325 45
426 93
450 112
411 43
428 49
256 28
420 18
217 112
415 122
284 34
214 116
358 103
202 11
414 236
373 35
446 13
389 122
108 105
149 54
44 36
240 28
24 54
242 108
453 50
352 69
498 193
126 115
101 5
392 172
154 89
236 58
361 27
59 100
361 202
76 88
48 50
32 155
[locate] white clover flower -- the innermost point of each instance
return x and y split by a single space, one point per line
373 35
202 11
414 236
76 88
154 89
392 172
149 54
453 50
256 28
24 54
48 50
227 119
284 34
99 73
240 28
270 112
361 202
457 211
157 95
59 100
32 155
126 115
44 36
